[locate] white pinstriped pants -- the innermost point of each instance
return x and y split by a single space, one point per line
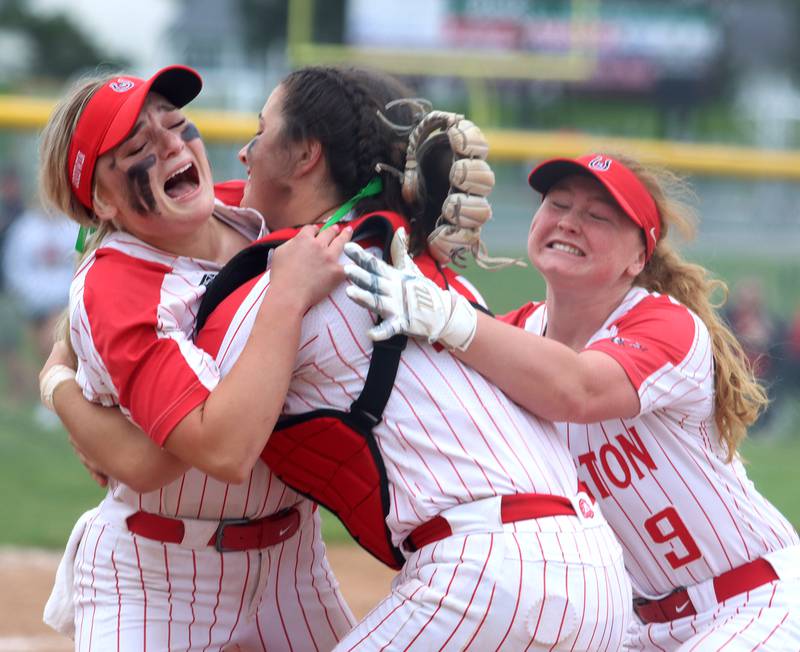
135 594
553 583
766 619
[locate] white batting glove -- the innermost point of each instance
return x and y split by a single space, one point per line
409 302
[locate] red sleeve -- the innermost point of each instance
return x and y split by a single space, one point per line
520 316
156 376
654 333
231 192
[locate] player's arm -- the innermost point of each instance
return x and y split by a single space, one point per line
546 377
549 378
224 436
111 445
104 440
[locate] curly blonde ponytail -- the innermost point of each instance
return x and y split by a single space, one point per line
738 398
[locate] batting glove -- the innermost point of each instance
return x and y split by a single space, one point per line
409 302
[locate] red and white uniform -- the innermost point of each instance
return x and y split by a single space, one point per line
452 443
682 514
133 310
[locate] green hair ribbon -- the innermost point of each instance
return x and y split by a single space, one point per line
83 233
374 187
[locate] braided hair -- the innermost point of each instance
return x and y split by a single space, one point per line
339 108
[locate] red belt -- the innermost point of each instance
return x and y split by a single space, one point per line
232 534
677 604
515 507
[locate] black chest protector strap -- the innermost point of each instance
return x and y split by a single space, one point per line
379 383
330 455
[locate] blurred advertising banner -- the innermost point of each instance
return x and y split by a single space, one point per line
633 44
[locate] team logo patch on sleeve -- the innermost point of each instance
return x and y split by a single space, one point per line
621 341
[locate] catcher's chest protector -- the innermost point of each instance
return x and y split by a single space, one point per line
331 455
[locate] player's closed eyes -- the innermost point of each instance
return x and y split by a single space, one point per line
561 203
137 150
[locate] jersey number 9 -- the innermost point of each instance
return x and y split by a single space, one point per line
665 526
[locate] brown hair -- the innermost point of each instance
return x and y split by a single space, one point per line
738 398
340 108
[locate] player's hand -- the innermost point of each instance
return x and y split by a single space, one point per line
97 475
308 265
409 302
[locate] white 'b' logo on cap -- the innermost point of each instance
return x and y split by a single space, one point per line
600 163
121 85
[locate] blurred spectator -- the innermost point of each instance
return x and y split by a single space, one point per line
12 205
38 264
760 334
791 358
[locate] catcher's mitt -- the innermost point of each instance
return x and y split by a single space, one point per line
465 209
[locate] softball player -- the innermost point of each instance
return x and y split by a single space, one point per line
456 449
653 396
149 568
502 552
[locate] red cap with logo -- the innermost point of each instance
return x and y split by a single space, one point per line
625 187
111 113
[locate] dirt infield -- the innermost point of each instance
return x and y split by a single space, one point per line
27 576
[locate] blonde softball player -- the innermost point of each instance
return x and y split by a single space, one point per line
183 566
653 396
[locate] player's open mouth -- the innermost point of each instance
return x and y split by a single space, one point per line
182 182
566 248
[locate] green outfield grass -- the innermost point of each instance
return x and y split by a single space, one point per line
772 466
43 487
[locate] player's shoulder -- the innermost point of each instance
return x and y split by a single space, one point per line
124 265
641 305
522 315
660 317
117 282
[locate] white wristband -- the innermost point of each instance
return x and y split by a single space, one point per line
461 326
55 375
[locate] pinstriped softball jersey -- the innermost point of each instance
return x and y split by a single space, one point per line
448 436
132 316
682 514
450 440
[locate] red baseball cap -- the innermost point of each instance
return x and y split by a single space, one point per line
625 187
111 113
